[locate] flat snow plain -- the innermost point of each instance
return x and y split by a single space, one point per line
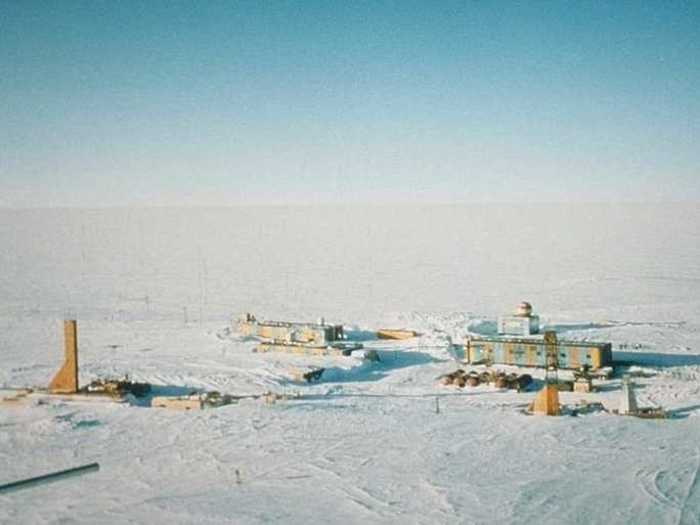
154 291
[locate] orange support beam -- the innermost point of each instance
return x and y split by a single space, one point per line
547 401
66 380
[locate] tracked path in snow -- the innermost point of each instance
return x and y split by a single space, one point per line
690 507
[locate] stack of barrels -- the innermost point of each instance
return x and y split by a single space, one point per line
500 379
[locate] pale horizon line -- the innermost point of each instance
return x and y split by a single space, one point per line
331 204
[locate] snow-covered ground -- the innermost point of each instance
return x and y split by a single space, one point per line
154 291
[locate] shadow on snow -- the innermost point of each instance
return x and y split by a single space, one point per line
375 371
653 359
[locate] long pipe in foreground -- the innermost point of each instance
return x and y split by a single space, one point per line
48 478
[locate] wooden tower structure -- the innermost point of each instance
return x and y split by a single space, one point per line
547 400
66 380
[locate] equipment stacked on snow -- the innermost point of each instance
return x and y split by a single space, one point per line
195 401
303 338
118 388
500 379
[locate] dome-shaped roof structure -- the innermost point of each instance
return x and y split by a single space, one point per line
524 309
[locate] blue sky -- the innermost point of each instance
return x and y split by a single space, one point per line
118 103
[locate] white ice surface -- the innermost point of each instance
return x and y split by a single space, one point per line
154 290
